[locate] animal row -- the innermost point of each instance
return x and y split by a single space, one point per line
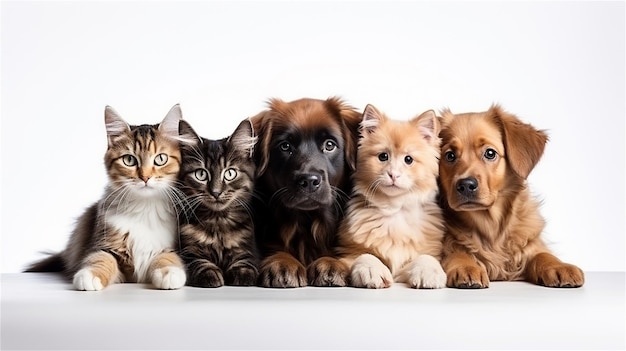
316 192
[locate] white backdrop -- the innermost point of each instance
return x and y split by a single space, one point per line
557 65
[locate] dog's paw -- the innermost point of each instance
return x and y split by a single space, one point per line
425 272
467 277
169 278
241 276
282 273
369 272
208 276
85 280
328 271
563 275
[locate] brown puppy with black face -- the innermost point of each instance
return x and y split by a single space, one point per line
305 153
493 224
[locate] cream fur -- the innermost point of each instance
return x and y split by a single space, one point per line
393 219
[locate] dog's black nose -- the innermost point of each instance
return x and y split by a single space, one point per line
467 186
309 182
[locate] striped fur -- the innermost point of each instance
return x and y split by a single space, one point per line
217 236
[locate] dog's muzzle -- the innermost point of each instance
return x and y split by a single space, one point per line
309 182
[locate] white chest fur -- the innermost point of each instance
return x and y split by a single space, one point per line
151 227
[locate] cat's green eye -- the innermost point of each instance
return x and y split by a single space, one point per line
201 174
160 159
230 174
129 160
383 156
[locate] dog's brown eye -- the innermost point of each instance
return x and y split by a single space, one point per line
490 154
285 146
450 156
408 160
383 156
329 145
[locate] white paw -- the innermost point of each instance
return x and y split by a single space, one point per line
426 273
169 278
369 272
86 281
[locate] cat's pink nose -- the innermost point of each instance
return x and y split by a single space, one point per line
393 175
145 179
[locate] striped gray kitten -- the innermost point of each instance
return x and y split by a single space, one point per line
216 231
130 234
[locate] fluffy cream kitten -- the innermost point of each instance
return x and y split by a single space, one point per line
393 228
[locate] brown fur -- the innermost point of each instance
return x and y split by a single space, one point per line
297 225
493 224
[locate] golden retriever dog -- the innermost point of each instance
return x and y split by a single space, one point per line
305 153
493 223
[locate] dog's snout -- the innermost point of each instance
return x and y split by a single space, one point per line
467 186
309 182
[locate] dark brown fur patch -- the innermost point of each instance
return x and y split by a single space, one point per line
293 236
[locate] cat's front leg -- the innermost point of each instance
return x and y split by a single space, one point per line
241 273
99 269
204 274
425 272
370 272
167 271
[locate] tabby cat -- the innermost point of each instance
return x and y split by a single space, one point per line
130 234
216 232
393 227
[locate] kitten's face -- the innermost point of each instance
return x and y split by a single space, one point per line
218 174
397 157
144 159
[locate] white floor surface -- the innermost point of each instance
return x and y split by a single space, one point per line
42 311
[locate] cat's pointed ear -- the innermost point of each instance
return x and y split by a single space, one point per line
371 119
243 137
428 124
186 134
169 125
115 125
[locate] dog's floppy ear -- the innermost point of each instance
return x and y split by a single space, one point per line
350 119
524 145
262 125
